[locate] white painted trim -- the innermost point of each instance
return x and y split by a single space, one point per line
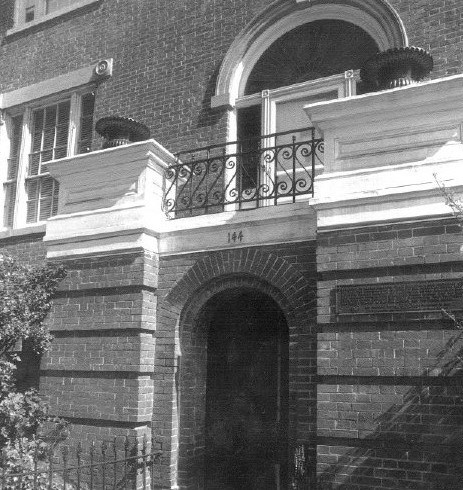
20 206
27 99
74 123
271 229
296 19
83 77
42 17
438 96
221 100
244 245
33 228
376 17
384 150
5 139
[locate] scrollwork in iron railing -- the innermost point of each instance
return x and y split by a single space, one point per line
274 169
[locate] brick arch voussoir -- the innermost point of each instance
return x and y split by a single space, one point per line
221 270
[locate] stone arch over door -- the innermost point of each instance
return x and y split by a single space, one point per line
246 270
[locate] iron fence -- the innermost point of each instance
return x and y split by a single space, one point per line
269 170
119 465
300 476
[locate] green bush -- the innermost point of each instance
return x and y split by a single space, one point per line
25 299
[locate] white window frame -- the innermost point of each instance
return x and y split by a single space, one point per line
27 111
343 85
40 14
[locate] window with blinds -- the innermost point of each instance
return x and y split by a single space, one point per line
50 132
50 138
86 123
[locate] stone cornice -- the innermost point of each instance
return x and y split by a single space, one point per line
388 153
442 95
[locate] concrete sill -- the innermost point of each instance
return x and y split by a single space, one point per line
27 230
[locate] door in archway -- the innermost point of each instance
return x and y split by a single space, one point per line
246 397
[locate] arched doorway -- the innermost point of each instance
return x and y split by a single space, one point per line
246 421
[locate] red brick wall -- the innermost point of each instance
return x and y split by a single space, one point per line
166 58
389 392
167 55
27 248
98 371
187 283
435 25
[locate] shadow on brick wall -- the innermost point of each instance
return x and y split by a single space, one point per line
417 444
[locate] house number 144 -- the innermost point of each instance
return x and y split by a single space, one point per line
235 236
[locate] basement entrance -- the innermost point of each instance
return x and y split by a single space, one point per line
246 393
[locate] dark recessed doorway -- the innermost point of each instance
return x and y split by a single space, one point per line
247 393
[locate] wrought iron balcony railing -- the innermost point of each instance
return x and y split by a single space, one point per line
269 170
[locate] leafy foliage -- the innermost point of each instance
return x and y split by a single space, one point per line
21 414
25 299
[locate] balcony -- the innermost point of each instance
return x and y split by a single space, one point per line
384 152
274 169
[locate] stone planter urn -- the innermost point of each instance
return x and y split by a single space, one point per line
118 131
396 67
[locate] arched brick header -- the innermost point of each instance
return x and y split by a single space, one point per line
294 288
182 331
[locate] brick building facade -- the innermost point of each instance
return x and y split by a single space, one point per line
237 333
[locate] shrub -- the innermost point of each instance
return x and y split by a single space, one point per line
25 299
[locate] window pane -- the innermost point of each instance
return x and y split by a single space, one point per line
86 123
32 188
10 198
15 143
49 136
46 187
37 130
34 163
63 113
46 157
249 128
48 198
42 202
29 14
60 152
53 5
62 130
49 127
31 216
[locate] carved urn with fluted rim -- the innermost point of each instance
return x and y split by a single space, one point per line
118 131
396 67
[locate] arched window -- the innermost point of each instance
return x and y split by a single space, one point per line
296 53
375 17
314 50
306 64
